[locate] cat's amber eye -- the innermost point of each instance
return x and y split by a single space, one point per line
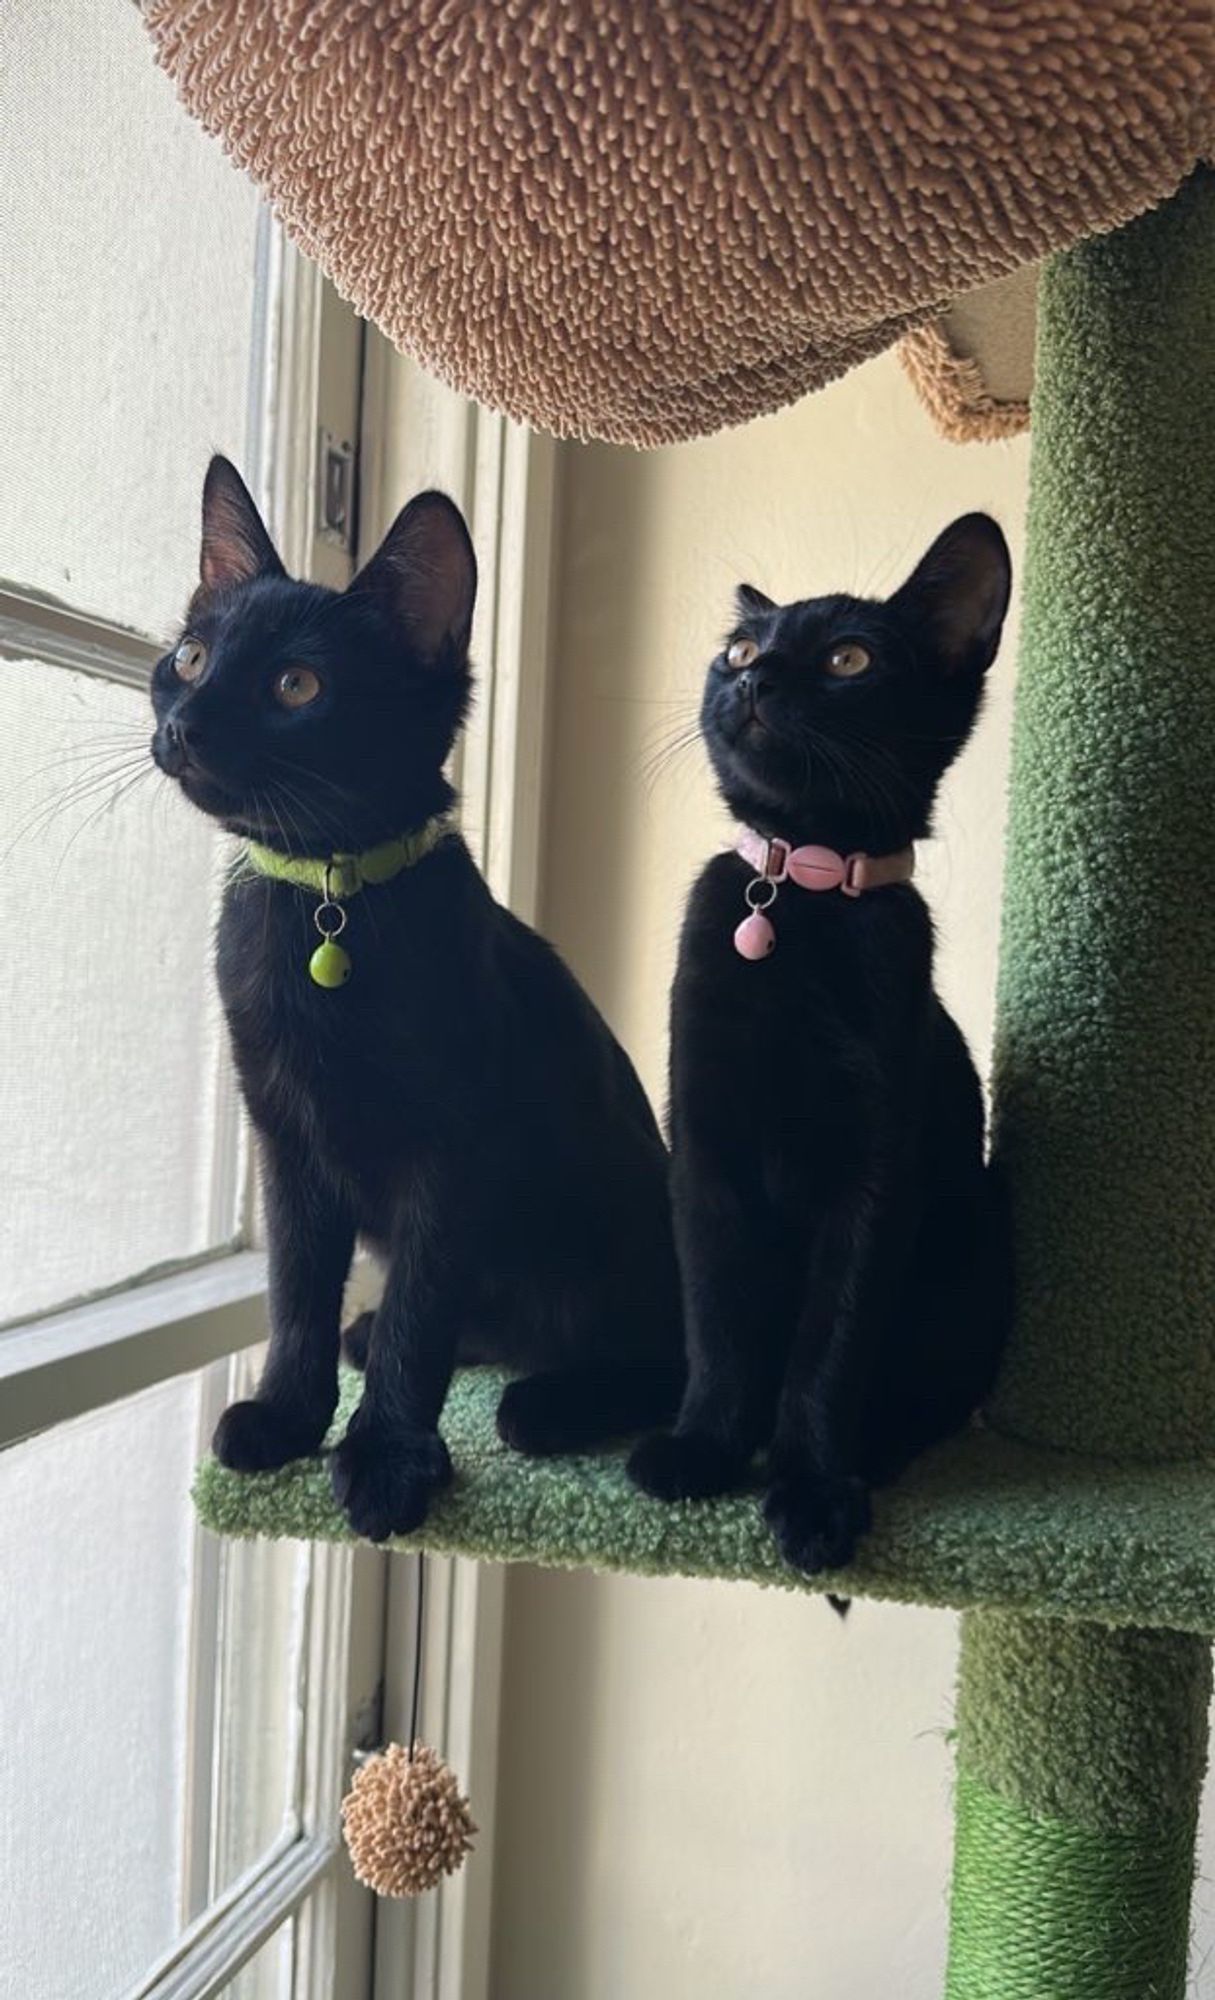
846 661
190 659
296 687
741 653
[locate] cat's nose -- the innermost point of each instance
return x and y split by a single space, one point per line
172 748
751 684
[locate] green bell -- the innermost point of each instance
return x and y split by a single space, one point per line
329 965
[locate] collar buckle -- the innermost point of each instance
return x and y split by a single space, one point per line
852 885
341 878
776 860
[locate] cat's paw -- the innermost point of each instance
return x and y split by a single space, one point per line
260 1436
356 1340
533 1416
385 1482
683 1465
817 1521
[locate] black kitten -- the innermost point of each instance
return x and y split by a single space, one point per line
842 1245
459 1103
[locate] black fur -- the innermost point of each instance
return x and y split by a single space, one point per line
459 1103
842 1244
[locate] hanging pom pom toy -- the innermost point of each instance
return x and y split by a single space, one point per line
406 1822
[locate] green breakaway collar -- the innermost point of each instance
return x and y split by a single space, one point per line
340 875
334 878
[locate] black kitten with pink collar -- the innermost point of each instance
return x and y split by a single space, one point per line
843 1247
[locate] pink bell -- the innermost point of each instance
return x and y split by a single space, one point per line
754 937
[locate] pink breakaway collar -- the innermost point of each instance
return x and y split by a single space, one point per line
814 868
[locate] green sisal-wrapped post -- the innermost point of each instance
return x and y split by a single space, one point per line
1081 1750
1080 1757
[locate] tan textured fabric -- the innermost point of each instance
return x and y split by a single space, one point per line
974 367
644 219
996 327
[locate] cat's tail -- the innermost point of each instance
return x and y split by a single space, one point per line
571 1409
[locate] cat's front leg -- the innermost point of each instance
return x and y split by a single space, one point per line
818 1503
392 1460
310 1239
735 1300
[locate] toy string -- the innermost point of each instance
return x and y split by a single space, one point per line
417 1655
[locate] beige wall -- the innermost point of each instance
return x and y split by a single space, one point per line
709 1789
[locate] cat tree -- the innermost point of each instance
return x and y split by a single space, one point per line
843 173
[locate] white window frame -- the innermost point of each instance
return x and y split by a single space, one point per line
63 1364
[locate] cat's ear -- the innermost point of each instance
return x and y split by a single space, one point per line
235 545
748 601
960 592
424 574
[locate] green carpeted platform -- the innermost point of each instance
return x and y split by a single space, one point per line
984 1521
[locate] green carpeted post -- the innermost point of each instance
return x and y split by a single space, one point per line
1080 1758
1081 1750
1105 1058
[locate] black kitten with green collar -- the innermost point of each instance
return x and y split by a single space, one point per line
424 1074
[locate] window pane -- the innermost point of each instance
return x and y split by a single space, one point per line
129 1674
111 1088
129 248
95 1552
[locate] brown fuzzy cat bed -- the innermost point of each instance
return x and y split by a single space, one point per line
642 220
